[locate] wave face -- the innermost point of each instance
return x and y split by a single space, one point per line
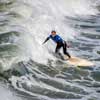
32 72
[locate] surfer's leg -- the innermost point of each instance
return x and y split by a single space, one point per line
57 48
57 51
65 50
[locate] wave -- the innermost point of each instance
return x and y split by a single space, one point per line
38 18
29 65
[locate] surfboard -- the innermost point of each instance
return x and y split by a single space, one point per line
76 61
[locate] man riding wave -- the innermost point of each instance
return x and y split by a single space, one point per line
60 43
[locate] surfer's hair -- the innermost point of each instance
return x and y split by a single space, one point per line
53 31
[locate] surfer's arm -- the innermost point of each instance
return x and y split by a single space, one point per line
46 40
67 45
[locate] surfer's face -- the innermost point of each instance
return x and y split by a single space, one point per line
53 33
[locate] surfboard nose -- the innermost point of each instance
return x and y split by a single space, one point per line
76 61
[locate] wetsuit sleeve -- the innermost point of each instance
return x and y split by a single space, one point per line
66 44
46 39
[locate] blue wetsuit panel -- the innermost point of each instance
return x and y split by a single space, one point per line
56 38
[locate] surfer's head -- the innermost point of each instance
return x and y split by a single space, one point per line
53 32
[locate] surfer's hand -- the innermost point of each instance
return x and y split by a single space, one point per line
68 46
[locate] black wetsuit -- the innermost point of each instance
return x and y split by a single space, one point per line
60 43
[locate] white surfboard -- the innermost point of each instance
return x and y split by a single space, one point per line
76 61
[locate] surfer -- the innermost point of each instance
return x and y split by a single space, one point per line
60 44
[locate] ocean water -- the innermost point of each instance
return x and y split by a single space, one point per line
28 70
